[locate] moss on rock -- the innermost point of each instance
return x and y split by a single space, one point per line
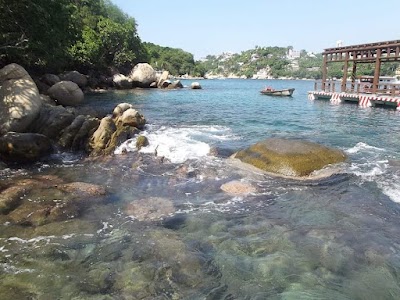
285 157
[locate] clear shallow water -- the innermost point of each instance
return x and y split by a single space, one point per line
337 238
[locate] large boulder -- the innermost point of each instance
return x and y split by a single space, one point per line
20 102
293 158
66 93
143 75
23 147
75 77
50 79
122 82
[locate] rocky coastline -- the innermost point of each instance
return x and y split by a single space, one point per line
42 113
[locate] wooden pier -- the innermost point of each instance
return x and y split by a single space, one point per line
366 90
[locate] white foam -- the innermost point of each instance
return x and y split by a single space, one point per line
361 147
179 144
393 192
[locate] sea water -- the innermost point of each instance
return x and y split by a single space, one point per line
170 231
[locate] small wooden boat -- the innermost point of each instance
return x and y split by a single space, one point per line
272 92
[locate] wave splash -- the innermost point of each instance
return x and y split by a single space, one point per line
179 144
372 164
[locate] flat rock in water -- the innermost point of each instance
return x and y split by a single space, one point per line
291 158
150 209
237 188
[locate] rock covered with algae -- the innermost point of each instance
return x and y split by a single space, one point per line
292 158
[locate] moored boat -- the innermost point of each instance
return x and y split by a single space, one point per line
272 92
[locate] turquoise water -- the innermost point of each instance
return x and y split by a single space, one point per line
168 230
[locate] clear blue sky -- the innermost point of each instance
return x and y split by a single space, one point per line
216 26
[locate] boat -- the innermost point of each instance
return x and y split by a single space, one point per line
273 92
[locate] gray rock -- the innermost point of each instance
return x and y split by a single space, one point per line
52 120
50 79
76 135
23 147
177 84
195 86
66 93
75 77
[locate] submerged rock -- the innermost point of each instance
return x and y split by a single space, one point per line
150 209
35 202
294 158
237 188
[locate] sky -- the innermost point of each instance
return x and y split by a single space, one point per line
211 27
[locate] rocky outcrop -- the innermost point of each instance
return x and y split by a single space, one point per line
293 158
143 75
23 147
66 93
20 102
44 122
113 131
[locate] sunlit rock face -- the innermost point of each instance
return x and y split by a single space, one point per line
294 158
20 102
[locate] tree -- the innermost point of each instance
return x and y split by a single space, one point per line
36 33
108 38
174 60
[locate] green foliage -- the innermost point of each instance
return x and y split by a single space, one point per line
108 38
54 34
249 62
176 61
36 33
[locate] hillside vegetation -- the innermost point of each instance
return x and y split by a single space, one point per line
96 36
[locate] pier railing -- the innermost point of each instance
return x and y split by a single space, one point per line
335 86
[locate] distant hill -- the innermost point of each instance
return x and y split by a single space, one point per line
278 62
